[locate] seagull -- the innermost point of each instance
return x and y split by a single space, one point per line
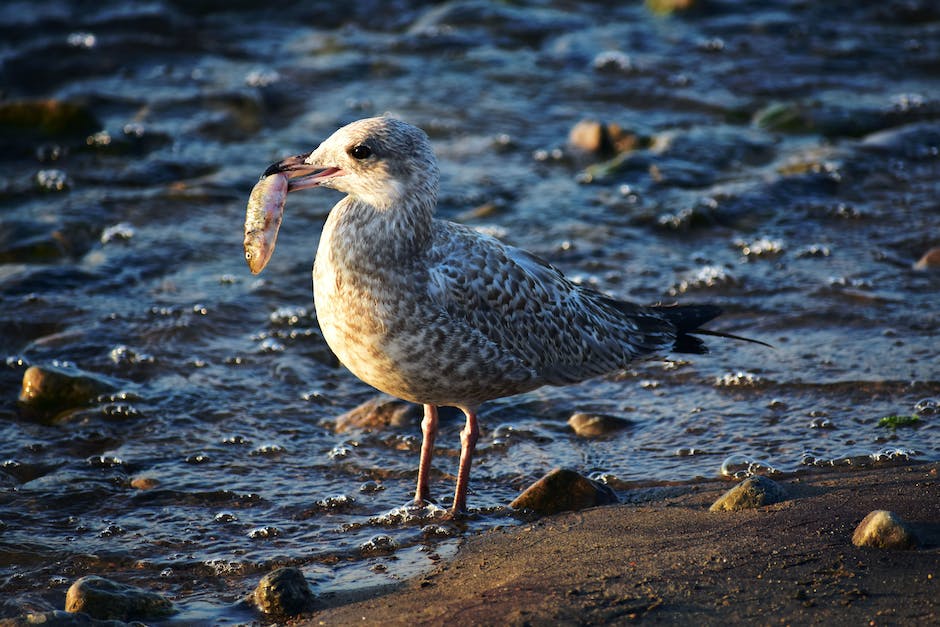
436 313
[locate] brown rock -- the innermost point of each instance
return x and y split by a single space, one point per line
386 411
884 530
563 490
602 138
144 483
48 391
284 592
596 425
47 117
379 413
105 599
755 491
930 260
590 136
665 7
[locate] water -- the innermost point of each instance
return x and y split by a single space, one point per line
791 176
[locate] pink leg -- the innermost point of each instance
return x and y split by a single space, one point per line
468 442
428 433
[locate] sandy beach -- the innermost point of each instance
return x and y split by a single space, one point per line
667 559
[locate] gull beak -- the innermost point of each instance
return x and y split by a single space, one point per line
301 174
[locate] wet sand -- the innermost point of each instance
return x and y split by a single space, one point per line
666 559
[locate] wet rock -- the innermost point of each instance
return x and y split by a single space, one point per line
47 391
783 117
33 241
884 530
665 7
58 618
47 117
379 413
755 491
563 490
284 592
386 411
144 483
596 425
102 598
930 260
591 136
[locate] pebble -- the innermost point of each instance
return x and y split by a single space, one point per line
284 592
48 391
588 425
105 599
884 530
755 491
144 483
563 490
598 137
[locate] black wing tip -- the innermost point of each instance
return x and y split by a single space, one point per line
688 319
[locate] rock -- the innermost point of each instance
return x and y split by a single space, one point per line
884 530
58 618
596 425
48 390
48 118
563 490
386 411
284 592
930 260
590 136
665 7
753 492
106 599
379 413
602 138
144 483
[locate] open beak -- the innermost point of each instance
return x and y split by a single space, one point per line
301 174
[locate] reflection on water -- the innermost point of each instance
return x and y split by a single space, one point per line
779 160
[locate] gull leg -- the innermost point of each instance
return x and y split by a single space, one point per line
428 433
468 442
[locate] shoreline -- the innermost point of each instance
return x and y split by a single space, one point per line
668 559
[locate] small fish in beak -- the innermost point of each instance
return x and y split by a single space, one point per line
266 204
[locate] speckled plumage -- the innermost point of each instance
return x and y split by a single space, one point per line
439 314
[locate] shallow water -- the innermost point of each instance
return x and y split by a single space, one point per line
792 177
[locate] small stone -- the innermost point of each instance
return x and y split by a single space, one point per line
563 490
284 592
597 137
144 483
596 425
930 260
47 390
105 599
755 491
590 136
884 530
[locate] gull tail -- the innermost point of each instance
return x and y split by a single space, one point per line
688 319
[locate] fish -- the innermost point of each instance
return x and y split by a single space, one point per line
263 219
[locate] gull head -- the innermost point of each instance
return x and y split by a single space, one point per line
380 161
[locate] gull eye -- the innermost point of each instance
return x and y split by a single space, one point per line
360 152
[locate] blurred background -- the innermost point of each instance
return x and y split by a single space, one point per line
180 428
